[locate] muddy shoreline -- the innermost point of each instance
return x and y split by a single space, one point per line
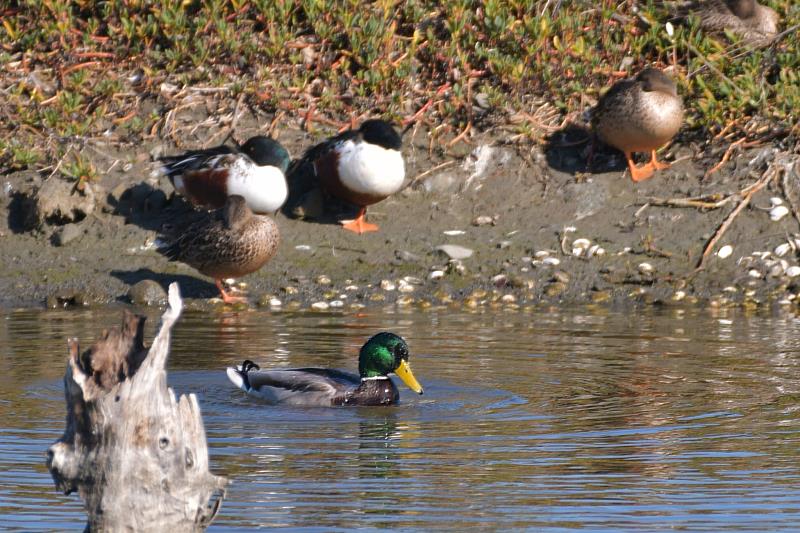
536 227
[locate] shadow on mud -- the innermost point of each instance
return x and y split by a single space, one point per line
191 287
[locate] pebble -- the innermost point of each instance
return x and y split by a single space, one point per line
147 292
336 303
320 306
274 302
483 220
775 201
508 298
541 254
793 271
454 251
454 232
351 288
552 261
303 247
753 273
561 276
323 280
594 250
725 251
404 300
502 245
66 234
678 296
289 289
412 280
388 285
646 268
436 274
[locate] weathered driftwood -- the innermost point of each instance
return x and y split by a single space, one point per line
136 455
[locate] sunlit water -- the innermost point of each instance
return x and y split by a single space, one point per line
546 420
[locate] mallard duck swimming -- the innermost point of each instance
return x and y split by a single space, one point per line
225 243
255 170
750 20
383 354
639 115
362 167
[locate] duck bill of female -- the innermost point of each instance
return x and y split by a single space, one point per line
404 372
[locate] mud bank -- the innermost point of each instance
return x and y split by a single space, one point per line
494 224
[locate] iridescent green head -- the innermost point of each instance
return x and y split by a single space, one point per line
387 353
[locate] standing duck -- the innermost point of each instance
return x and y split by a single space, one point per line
255 170
362 167
754 23
383 354
639 115
228 242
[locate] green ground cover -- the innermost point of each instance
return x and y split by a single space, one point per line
83 69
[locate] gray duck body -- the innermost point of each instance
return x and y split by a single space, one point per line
754 23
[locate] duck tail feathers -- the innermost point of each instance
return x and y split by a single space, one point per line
238 374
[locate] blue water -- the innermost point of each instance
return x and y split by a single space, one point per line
545 420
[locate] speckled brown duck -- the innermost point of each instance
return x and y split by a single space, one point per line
750 20
228 242
639 115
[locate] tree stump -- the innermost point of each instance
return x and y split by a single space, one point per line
137 457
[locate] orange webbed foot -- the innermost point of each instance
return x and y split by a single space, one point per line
658 165
226 297
359 224
639 173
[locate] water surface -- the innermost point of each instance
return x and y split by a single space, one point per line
553 420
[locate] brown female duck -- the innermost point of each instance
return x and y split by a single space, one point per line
228 242
750 20
639 115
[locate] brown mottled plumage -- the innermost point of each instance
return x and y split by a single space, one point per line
639 115
229 242
754 23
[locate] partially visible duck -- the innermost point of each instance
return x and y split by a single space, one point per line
383 354
750 20
255 170
361 167
229 242
639 115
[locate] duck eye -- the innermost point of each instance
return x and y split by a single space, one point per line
400 351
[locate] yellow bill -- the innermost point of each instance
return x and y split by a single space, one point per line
404 372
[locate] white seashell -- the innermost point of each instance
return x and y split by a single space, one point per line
782 249
625 250
775 201
778 212
797 242
581 243
323 280
725 251
404 286
303 247
793 271
595 249
229 281
577 252
413 280
679 295
320 306
387 285
436 274
753 273
508 298
776 270
570 229
351 288
453 232
274 302
730 288
646 268
553 261
670 29
337 303
541 254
